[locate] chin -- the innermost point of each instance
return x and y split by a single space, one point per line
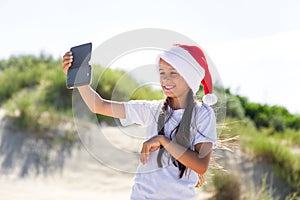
170 95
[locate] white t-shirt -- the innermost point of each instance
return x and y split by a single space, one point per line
152 182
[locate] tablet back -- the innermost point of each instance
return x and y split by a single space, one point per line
81 54
80 73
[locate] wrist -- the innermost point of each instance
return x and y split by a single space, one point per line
163 140
82 88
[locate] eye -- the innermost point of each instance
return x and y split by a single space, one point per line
162 73
174 73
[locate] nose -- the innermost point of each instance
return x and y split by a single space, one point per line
165 79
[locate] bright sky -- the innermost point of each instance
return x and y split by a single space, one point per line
255 44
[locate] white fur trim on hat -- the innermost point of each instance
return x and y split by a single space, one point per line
210 99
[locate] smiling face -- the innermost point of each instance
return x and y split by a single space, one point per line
172 83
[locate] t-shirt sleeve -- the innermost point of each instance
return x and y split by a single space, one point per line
140 112
206 126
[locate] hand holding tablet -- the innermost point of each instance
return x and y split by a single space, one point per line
80 72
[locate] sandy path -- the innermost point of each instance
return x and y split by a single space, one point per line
69 173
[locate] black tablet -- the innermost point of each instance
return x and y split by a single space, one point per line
80 73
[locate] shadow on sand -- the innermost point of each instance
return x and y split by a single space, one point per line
24 154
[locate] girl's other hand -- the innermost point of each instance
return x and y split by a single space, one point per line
67 61
149 146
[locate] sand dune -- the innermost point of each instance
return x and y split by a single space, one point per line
35 169
100 165
38 170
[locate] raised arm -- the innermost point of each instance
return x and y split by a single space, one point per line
92 99
99 105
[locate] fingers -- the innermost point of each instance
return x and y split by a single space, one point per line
68 53
67 61
148 147
145 153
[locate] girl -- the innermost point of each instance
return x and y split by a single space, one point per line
182 130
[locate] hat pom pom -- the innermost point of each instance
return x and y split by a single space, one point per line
210 99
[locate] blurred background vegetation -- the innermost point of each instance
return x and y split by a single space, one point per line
35 98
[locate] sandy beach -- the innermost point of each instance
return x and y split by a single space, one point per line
36 170
32 169
100 165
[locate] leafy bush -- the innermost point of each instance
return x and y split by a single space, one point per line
33 87
28 110
277 149
293 121
275 117
286 163
21 72
56 96
23 109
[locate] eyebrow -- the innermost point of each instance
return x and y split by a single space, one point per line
168 69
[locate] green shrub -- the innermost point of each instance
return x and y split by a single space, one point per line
286 164
277 149
25 109
278 123
55 93
21 72
293 121
32 86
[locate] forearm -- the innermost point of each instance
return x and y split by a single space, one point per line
90 97
99 105
191 159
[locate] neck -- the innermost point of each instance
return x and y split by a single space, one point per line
178 103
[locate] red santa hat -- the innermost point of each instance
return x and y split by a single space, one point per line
191 64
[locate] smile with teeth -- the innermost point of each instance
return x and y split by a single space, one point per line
169 87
